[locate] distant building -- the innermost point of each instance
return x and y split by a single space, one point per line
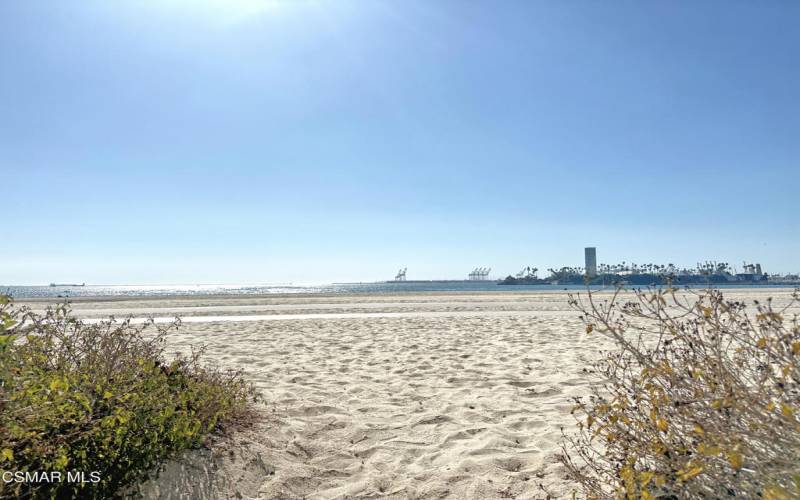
752 272
591 261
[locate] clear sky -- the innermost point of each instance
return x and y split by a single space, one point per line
256 141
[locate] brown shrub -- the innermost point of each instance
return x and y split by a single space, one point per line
701 399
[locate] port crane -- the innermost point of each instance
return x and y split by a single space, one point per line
479 273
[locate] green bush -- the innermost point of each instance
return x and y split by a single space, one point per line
103 400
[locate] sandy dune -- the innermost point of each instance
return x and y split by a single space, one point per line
461 396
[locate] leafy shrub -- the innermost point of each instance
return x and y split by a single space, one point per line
101 398
701 399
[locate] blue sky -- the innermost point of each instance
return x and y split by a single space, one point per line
181 141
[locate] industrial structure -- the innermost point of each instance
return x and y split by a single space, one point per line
751 268
480 274
649 274
590 257
752 272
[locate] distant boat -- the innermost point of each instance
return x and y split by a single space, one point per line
67 284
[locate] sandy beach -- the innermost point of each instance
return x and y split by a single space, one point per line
436 395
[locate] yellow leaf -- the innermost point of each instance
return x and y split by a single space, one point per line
708 450
61 462
645 477
786 410
660 480
762 343
698 429
662 425
59 384
770 407
796 348
107 395
707 312
735 458
626 474
689 474
6 454
589 328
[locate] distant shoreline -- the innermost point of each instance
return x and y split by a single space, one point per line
444 287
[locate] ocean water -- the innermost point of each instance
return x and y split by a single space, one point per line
237 289
21 292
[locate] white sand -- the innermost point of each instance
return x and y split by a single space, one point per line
409 396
